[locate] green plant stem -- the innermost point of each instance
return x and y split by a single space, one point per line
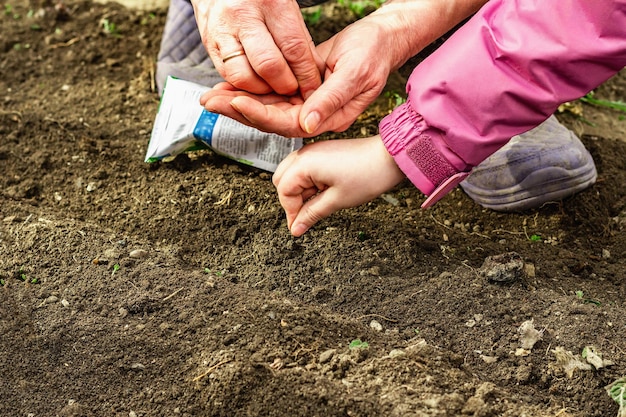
616 105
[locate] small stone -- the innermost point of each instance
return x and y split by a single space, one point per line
507 267
65 303
327 355
52 299
376 326
488 359
390 199
529 335
529 270
395 353
138 253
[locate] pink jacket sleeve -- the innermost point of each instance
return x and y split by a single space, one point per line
501 74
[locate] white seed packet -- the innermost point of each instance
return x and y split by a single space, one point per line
183 125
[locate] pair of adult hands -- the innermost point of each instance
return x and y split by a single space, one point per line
286 85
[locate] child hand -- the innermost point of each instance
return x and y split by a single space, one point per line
324 177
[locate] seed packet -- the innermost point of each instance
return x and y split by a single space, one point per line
183 125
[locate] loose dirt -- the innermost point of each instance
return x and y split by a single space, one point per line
175 288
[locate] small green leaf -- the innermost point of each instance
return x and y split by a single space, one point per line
358 344
617 391
615 105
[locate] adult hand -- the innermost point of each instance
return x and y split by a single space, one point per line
323 177
278 52
357 67
358 61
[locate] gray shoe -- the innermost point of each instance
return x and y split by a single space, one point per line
545 164
182 54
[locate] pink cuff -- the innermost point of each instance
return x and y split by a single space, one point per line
417 149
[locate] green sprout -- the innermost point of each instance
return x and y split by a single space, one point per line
615 105
395 98
617 391
362 236
146 19
19 46
361 7
581 296
216 273
116 268
312 18
535 238
110 28
21 275
358 344
8 10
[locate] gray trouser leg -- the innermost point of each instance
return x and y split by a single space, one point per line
182 53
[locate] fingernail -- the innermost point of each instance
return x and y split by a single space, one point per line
311 122
299 229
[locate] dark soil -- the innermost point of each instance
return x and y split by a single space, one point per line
175 288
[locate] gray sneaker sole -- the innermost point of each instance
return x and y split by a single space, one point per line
545 164
534 190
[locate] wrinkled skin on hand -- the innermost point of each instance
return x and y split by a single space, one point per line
355 74
279 52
